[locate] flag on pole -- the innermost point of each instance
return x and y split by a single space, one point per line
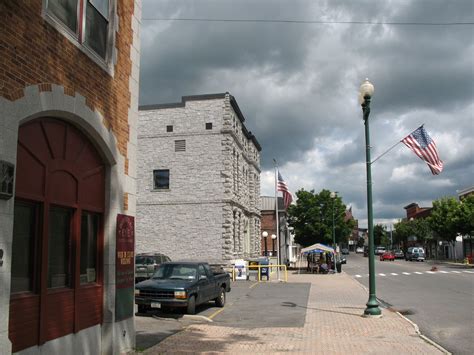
422 145
281 186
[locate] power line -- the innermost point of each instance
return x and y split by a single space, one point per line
315 22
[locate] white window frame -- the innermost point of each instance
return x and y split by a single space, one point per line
78 39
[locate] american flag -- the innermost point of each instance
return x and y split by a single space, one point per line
422 145
281 186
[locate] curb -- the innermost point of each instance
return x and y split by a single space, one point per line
415 326
424 337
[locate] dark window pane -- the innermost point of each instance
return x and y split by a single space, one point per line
23 248
96 31
59 273
102 6
89 235
65 11
161 179
209 125
169 128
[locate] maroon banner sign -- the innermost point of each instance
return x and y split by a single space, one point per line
124 267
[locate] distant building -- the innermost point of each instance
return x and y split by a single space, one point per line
414 211
68 114
198 180
269 244
354 234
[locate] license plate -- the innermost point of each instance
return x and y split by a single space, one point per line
155 305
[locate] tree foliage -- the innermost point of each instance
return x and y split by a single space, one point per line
443 219
312 218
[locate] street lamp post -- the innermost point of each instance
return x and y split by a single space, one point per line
333 196
274 237
265 235
365 93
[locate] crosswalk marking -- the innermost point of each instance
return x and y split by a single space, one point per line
419 273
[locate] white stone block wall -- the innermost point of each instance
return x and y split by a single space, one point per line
219 173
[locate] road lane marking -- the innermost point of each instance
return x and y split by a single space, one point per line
357 275
470 272
419 273
394 274
430 272
382 275
255 284
456 272
406 273
443 272
216 313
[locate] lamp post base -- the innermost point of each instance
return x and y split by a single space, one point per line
372 310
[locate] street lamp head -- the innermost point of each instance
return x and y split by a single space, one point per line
274 236
265 234
365 90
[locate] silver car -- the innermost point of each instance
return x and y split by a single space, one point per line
415 253
147 263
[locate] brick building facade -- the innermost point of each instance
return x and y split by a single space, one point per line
198 180
68 123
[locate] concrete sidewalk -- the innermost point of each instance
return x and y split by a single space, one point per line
333 325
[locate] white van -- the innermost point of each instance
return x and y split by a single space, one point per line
415 253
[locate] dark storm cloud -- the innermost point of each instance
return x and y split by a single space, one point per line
297 87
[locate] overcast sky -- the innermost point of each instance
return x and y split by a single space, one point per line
297 87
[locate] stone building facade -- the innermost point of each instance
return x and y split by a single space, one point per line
68 134
198 181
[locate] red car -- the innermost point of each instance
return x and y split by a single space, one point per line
387 256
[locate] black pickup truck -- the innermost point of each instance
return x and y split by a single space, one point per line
182 284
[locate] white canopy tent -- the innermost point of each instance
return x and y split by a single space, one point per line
316 247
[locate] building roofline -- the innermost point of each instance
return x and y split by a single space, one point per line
183 101
233 103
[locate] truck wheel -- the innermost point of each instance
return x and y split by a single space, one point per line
191 309
220 301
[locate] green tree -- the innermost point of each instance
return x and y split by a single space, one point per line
312 218
444 218
379 233
464 218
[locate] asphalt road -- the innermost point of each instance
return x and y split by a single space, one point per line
441 302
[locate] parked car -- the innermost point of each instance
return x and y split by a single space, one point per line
379 250
345 251
415 253
388 255
147 263
399 254
359 250
182 285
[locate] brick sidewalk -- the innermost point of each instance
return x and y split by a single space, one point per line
333 326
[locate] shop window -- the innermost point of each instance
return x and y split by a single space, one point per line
59 247
23 248
89 237
88 21
161 179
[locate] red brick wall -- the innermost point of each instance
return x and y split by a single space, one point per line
32 52
268 225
